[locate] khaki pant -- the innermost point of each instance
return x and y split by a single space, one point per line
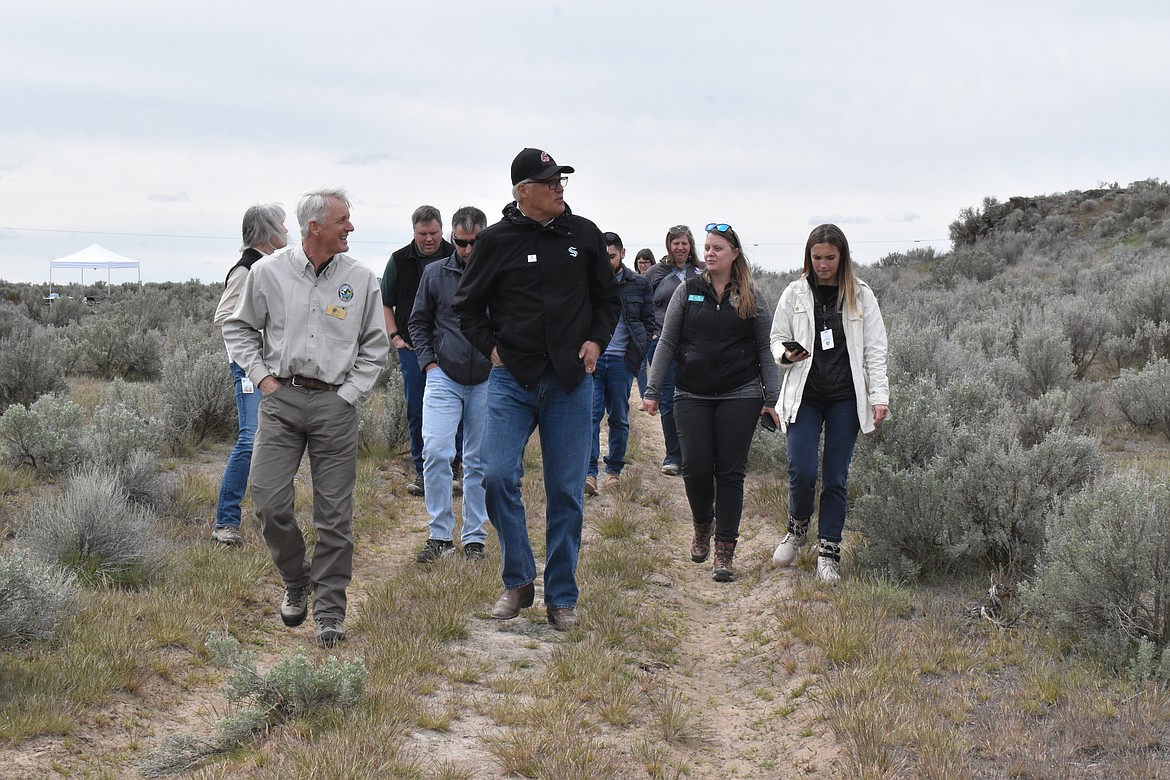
291 420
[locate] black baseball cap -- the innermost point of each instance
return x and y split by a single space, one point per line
537 165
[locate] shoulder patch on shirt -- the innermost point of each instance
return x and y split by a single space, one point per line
345 293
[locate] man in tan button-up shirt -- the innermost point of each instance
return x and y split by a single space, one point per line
308 332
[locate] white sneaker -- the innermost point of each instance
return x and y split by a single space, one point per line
827 570
788 549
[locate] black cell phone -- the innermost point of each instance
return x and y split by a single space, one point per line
793 346
767 423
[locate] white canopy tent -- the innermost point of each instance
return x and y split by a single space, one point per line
93 256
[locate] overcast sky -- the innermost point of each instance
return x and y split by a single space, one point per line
150 127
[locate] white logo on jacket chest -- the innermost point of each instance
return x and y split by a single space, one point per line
572 251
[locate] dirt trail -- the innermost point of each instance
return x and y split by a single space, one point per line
748 685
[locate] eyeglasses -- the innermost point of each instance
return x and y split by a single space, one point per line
678 230
464 242
718 227
552 184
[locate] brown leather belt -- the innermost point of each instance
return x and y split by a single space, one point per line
308 383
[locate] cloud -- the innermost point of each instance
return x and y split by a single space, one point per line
837 219
366 159
905 216
168 197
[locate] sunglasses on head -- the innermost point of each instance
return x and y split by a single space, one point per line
678 230
463 243
717 227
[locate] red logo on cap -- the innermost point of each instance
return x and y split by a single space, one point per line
544 158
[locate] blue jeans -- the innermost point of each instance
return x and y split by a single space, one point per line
446 404
414 382
666 411
838 419
564 419
642 378
235 474
611 394
716 435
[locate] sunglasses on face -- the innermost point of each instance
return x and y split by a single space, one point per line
463 243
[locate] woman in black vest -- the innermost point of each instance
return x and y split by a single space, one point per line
264 233
717 328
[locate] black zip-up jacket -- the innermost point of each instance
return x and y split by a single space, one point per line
538 292
434 328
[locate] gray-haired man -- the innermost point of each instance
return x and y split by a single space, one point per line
323 345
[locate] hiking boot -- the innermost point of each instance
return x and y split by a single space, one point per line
433 550
228 535
457 478
828 562
724 569
671 470
417 488
590 485
473 551
295 607
701 544
612 481
330 631
790 545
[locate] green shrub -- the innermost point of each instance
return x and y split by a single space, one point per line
1103 584
110 346
382 424
34 599
1143 397
93 530
42 436
115 433
32 364
200 396
294 688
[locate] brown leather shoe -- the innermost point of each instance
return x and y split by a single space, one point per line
562 618
513 600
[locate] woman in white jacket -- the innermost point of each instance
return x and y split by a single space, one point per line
830 341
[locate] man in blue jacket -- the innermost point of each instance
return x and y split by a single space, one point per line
456 392
539 299
618 365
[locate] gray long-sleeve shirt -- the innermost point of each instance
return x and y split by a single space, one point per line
290 321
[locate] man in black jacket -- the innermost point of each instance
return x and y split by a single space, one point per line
399 286
539 299
618 365
456 393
